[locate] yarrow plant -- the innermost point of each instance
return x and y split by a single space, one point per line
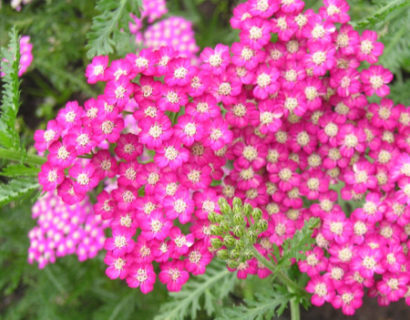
280 125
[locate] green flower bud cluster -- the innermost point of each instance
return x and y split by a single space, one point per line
235 231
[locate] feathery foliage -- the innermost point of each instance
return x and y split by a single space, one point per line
18 170
267 303
295 247
10 101
387 7
113 15
16 189
209 288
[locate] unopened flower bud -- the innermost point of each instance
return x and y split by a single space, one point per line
216 230
216 243
237 202
234 254
224 225
224 206
252 236
239 220
214 217
222 254
256 214
247 209
262 225
238 231
247 254
240 245
233 264
229 241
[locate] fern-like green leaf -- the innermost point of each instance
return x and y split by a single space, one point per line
296 246
16 189
19 170
209 288
113 15
265 306
381 14
396 42
10 101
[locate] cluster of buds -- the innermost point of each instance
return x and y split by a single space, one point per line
63 230
173 32
236 231
287 106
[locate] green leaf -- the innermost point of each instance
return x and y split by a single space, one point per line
265 305
19 170
210 288
294 247
113 15
16 189
380 15
10 101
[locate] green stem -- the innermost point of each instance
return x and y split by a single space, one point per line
14 155
294 309
282 277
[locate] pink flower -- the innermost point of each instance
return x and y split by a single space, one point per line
96 69
173 275
367 262
104 164
349 299
375 79
155 132
314 263
121 242
335 11
128 147
217 134
142 276
179 206
369 49
263 8
50 176
322 290
83 175
320 58
215 60
117 266
179 72
245 56
255 33
44 138
171 155
198 258
155 226
61 155
265 83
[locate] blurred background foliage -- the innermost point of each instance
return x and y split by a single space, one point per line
73 290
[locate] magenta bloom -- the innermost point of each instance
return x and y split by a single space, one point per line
173 275
369 49
375 81
322 290
349 299
142 276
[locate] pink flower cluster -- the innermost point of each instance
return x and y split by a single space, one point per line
64 229
174 32
291 115
26 56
